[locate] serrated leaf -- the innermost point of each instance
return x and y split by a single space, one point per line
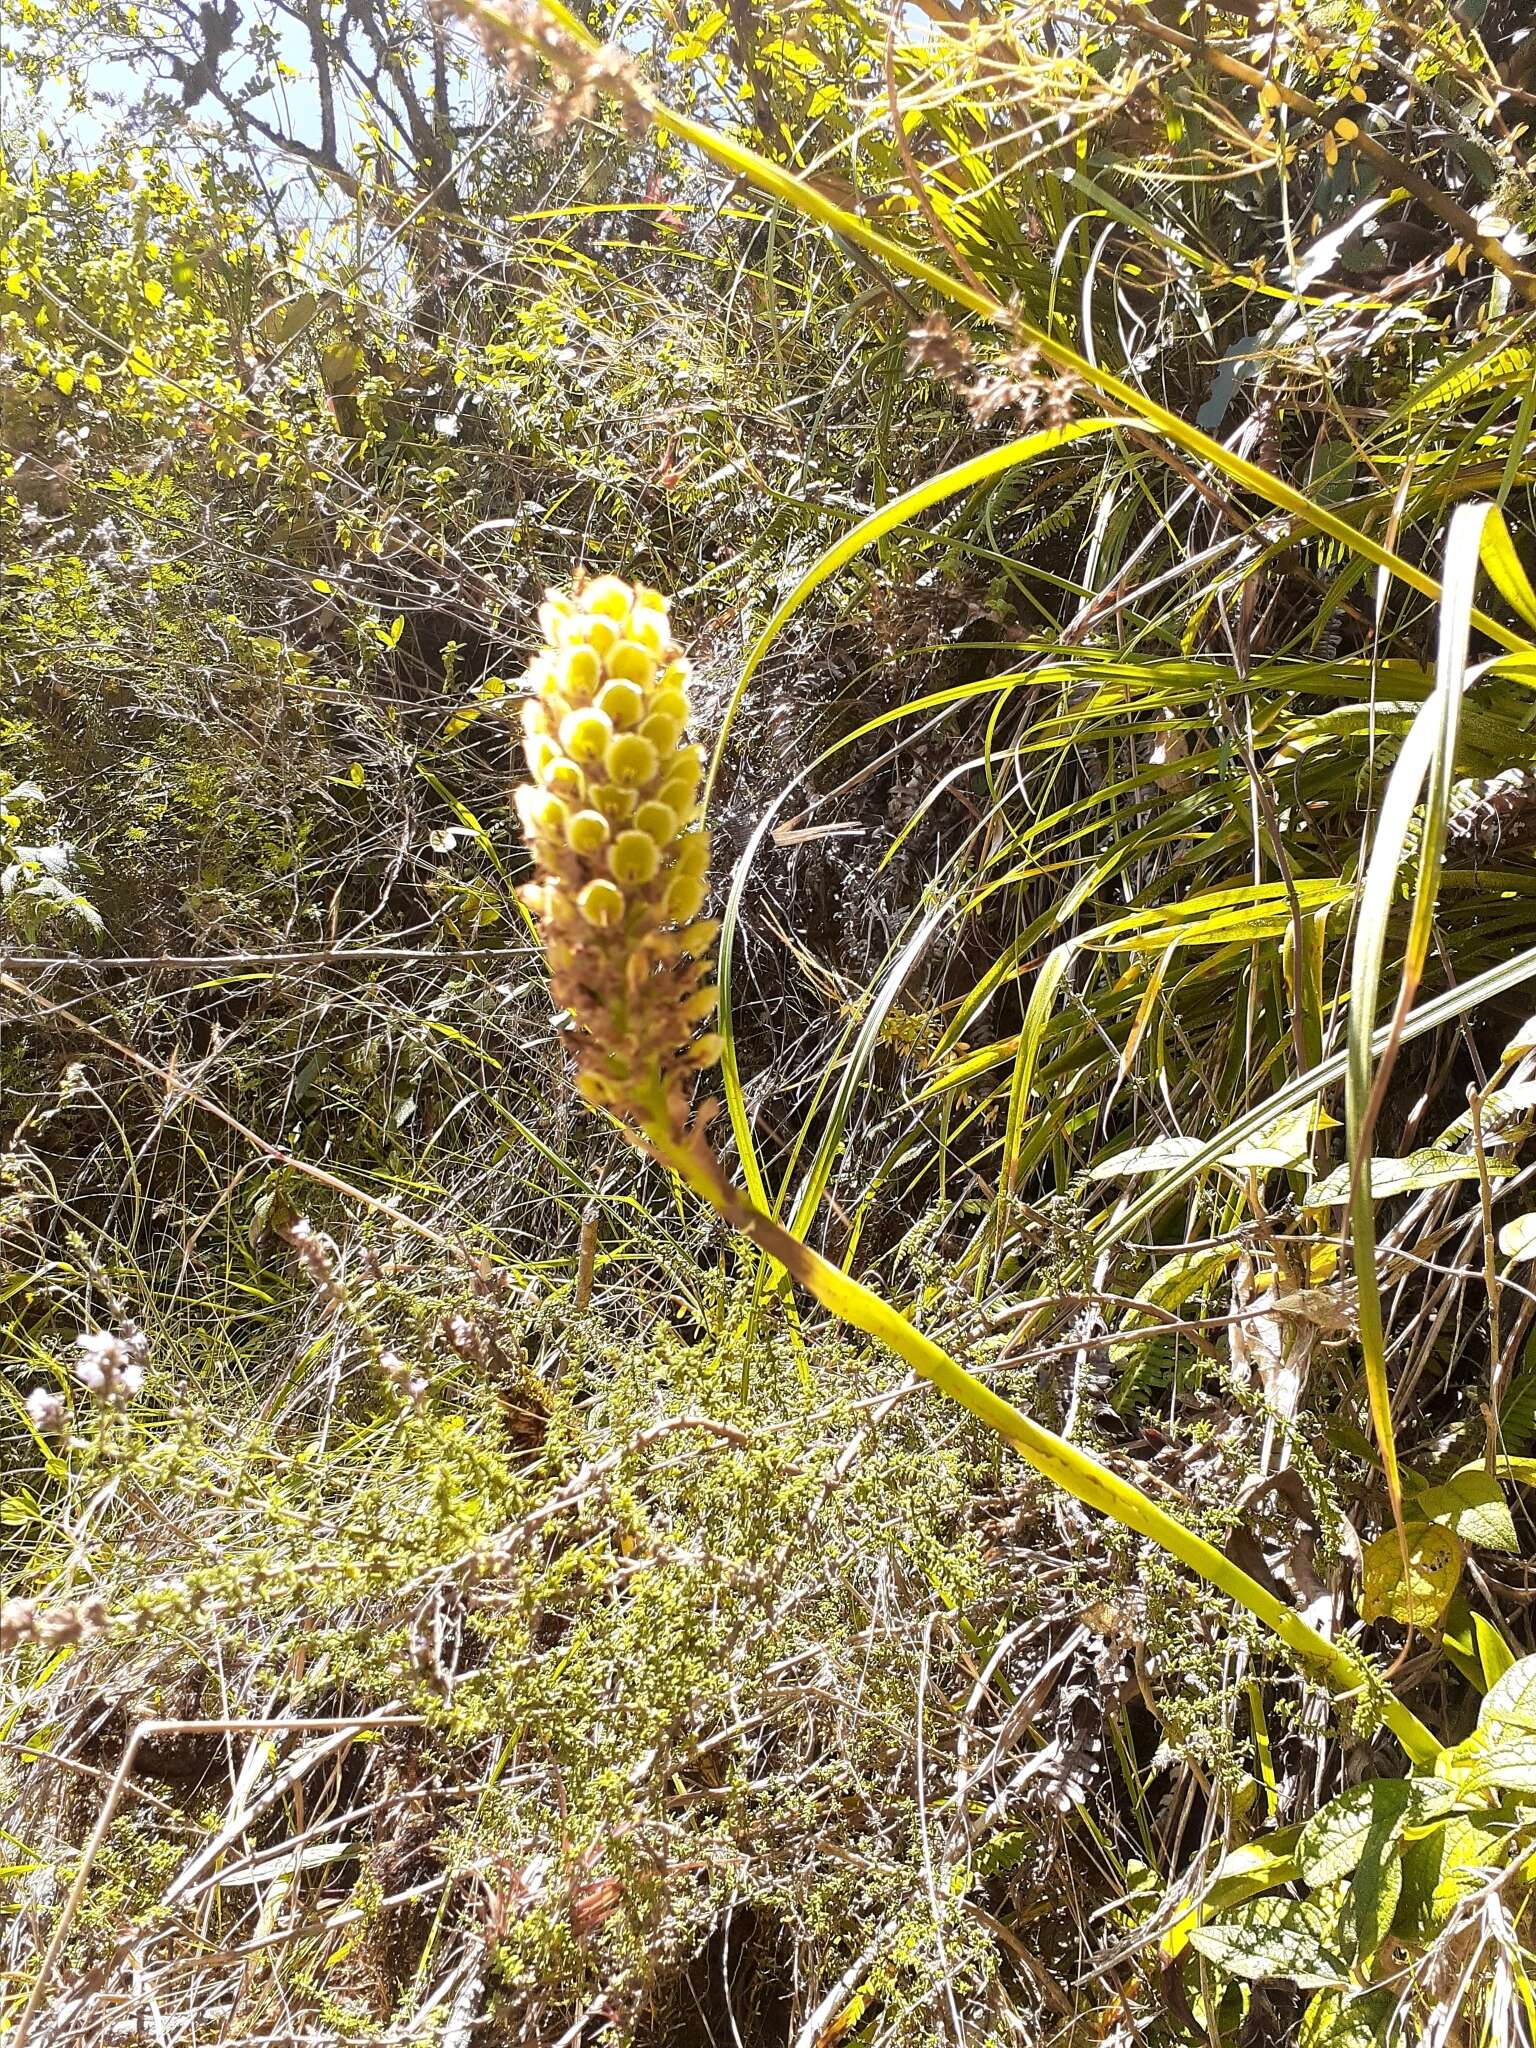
1334 1839
1347 2019
1252 1867
1507 1765
1432 1166
1472 1503
1467 1852
1509 1705
1356 1836
1275 1938
1435 1557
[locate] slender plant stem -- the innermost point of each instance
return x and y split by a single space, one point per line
1065 1464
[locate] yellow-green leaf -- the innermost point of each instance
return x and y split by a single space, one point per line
1435 1559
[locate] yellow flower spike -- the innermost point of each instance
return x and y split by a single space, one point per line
692 856
539 750
632 663
609 595
649 627
662 732
547 813
554 614
635 991
685 898
681 789
616 804
670 703
657 820
601 903
582 673
630 960
633 858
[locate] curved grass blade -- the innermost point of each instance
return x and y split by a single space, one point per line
875 526
1428 752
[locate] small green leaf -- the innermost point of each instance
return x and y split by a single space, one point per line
1157 1157
1285 1142
1493 1653
1517 1238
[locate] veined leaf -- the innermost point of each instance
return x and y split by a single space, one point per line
1432 1166
1418 1597
1284 1938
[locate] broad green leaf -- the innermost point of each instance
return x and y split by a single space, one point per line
1288 1938
1505 1765
1472 1503
1509 1706
1243 1873
1435 1559
1334 1840
1468 1853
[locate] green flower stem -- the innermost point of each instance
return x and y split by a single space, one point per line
1076 1471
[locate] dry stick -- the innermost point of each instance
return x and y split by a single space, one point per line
206 1103
313 956
144 1731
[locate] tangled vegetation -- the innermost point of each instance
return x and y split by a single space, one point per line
828 1342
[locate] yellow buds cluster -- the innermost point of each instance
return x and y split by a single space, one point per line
611 818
